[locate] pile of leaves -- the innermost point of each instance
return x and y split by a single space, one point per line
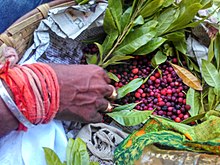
160 27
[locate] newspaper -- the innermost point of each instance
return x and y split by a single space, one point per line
67 26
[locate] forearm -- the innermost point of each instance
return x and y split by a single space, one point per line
8 122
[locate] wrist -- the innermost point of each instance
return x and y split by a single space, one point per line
8 121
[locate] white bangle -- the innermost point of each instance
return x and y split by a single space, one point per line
13 107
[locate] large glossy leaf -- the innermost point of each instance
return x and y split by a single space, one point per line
51 157
186 16
130 87
151 8
109 23
211 51
181 45
217 51
150 46
115 8
193 99
113 76
77 152
109 42
211 98
125 18
137 38
217 93
158 59
188 78
130 118
165 19
127 107
210 74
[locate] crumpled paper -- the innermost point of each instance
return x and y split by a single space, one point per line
62 29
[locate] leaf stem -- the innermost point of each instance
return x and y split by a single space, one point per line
125 31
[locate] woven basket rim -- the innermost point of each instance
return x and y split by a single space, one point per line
19 34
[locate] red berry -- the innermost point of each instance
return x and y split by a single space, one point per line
135 70
161 103
143 95
177 119
174 60
169 91
153 78
140 90
187 107
157 75
137 95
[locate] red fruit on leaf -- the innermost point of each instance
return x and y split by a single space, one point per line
187 107
177 119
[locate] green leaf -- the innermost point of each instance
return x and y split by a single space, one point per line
139 21
217 93
113 76
91 59
179 41
150 46
211 51
193 99
210 74
151 7
109 23
51 157
211 98
165 19
158 59
167 3
115 8
109 41
217 51
175 36
130 118
128 107
137 38
81 2
100 50
77 152
94 163
194 118
130 87
115 59
187 14
125 18
181 45
217 108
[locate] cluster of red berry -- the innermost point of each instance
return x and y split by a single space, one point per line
164 92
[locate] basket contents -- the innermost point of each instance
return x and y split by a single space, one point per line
167 77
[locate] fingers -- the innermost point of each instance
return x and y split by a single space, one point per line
103 106
110 92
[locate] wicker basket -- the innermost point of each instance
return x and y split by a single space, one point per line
19 35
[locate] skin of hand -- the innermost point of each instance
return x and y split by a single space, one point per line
84 91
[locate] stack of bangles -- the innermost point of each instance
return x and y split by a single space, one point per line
35 92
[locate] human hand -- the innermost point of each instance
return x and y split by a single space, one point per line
84 91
